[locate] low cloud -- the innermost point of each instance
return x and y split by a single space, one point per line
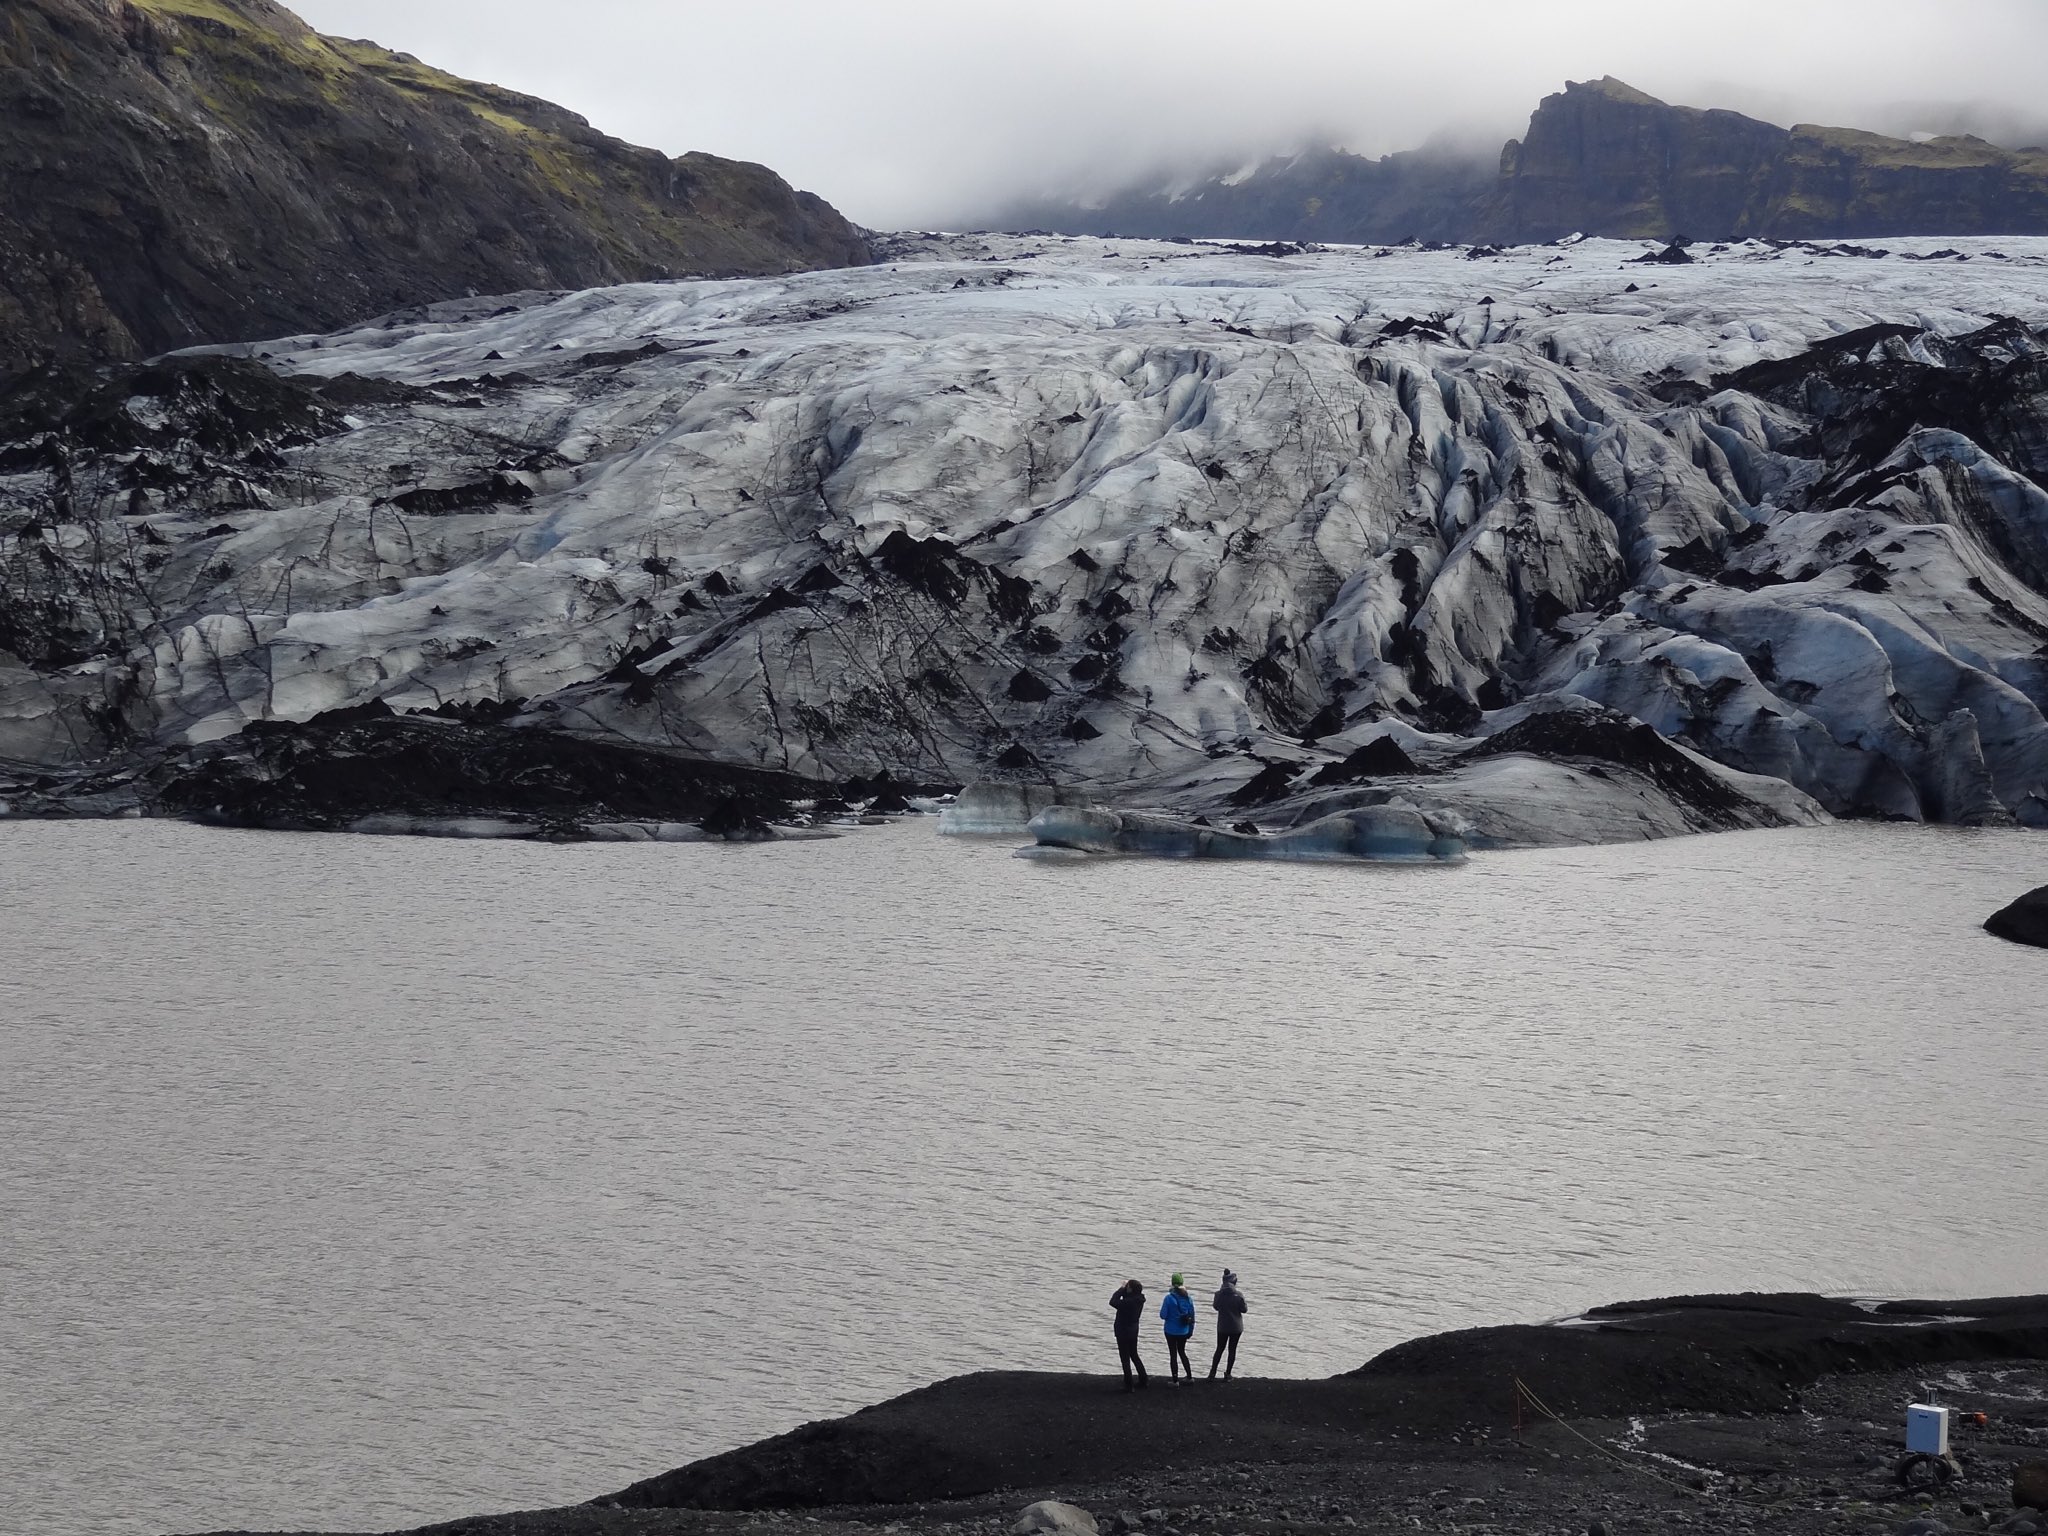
909 112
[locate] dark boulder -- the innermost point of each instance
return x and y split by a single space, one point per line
2024 922
2030 1478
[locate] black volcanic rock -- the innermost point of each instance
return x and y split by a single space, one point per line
2024 921
183 171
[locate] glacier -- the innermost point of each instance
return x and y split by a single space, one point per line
1566 544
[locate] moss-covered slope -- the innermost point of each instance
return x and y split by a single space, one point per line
177 171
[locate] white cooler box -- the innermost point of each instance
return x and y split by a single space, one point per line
1927 1429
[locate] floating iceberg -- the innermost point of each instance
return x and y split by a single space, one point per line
472 828
1393 833
988 809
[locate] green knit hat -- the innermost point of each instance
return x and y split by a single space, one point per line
1176 1277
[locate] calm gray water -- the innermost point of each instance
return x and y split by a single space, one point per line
358 1182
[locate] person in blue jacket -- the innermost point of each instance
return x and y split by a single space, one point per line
1177 1312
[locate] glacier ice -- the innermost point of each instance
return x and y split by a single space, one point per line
1168 526
993 807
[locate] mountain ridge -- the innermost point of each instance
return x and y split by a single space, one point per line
176 172
1601 158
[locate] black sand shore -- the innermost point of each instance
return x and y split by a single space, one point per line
1744 1413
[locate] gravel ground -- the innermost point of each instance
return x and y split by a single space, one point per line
1395 1449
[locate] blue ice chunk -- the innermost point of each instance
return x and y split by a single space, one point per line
1392 833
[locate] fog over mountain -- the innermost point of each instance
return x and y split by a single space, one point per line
908 112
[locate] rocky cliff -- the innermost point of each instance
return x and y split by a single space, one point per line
1602 158
181 171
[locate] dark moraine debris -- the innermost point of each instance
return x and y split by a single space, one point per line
2025 921
618 357
818 579
929 565
1029 688
775 600
350 391
1736 1355
1775 377
1696 557
220 406
1409 325
1327 721
1269 783
888 795
1379 757
330 771
1675 389
1867 391
500 489
1270 248
935 567
1607 735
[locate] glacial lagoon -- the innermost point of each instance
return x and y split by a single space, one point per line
359 1182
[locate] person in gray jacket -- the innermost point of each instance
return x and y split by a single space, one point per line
1230 1308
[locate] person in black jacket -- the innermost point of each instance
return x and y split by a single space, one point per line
1128 1303
1230 1308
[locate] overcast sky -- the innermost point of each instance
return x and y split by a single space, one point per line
906 112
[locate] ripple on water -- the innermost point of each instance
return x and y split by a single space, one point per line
361 1182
